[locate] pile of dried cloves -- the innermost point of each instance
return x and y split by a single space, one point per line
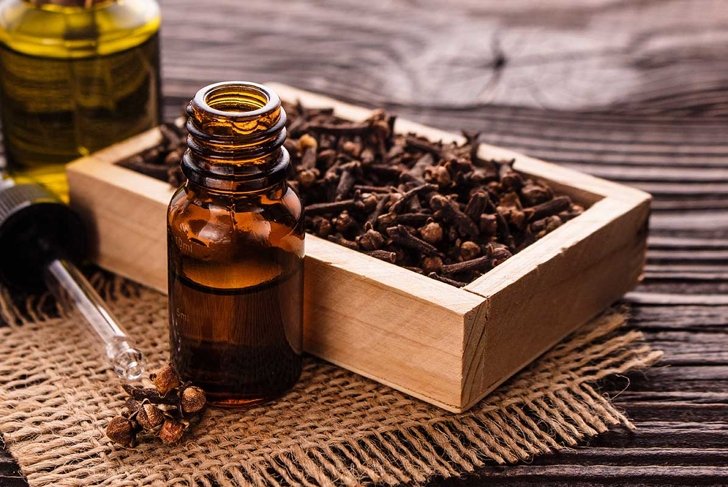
168 410
435 208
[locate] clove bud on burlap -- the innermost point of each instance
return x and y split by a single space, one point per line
166 411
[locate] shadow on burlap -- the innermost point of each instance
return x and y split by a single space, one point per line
56 396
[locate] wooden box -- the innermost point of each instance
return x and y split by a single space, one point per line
445 345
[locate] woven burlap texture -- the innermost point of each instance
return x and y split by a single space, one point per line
335 427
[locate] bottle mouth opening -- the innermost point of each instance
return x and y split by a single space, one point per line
234 127
237 99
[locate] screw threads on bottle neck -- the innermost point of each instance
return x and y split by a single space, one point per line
236 135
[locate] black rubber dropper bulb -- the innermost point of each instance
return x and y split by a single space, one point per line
41 239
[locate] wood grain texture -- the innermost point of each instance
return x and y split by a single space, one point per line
141 221
636 91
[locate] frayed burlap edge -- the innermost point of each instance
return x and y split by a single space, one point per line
551 405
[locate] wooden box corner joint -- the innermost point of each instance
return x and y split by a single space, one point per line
445 345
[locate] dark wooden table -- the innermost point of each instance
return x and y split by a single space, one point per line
636 92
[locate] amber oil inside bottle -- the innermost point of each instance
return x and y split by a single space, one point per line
235 249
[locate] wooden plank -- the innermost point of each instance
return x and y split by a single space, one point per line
677 298
682 412
644 475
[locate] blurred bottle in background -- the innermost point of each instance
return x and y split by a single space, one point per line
75 76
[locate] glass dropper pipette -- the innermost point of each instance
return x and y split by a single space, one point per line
40 239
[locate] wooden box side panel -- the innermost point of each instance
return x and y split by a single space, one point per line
129 209
354 319
134 233
528 315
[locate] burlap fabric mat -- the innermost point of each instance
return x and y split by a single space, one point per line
335 427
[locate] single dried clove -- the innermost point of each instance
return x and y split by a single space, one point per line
373 189
346 180
488 224
479 263
122 430
337 238
452 213
546 225
498 253
477 204
423 145
406 198
432 264
533 194
412 219
165 379
431 233
381 204
149 416
330 207
193 399
549 208
371 240
469 250
344 222
402 236
384 255
446 280
509 178
171 431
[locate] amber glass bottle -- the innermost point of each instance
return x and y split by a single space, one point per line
75 76
235 247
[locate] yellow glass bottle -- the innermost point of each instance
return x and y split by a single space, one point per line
75 76
235 250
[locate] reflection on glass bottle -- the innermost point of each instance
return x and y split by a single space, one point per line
75 76
235 247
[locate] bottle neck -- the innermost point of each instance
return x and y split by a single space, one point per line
236 135
273 192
